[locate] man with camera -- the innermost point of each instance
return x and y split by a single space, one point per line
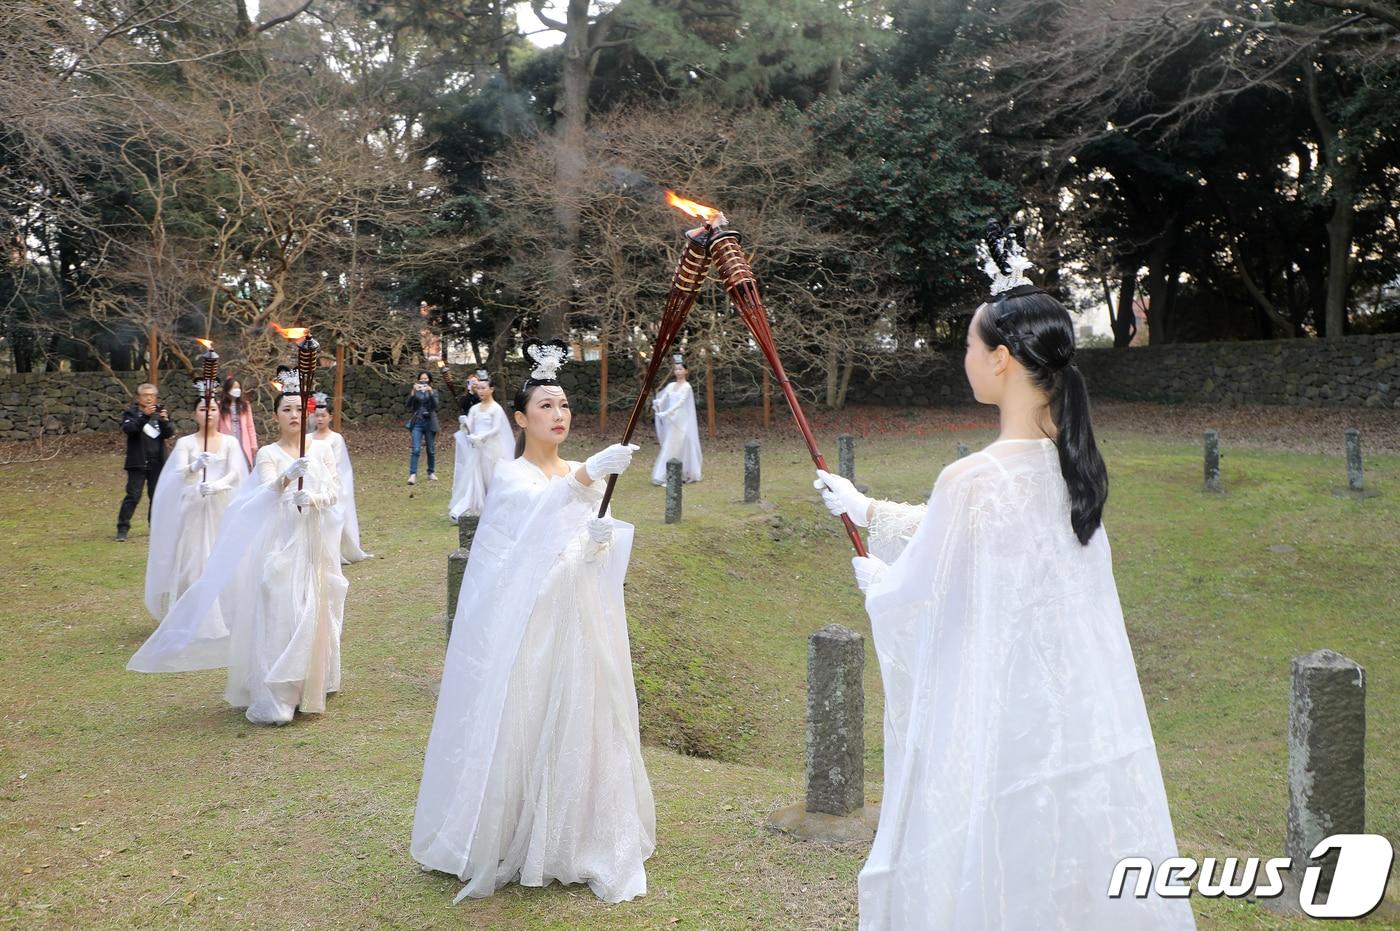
147 426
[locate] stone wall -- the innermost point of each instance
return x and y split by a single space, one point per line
1356 371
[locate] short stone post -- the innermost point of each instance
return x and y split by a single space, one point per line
1353 444
457 565
673 491
1326 759
834 810
750 471
1212 439
846 456
963 451
835 721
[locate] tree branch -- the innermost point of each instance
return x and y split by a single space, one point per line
1372 9
537 6
284 18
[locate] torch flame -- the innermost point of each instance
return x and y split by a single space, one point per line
296 332
690 207
206 343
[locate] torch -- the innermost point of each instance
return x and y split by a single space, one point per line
690 274
308 358
451 387
739 281
208 380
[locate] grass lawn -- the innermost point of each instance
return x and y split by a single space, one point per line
143 801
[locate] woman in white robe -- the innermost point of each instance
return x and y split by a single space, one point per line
533 771
194 490
345 512
483 441
1019 761
274 573
677 429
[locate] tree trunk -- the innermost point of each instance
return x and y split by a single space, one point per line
710 392
603 382
847 367
336 419
1124 320
833 364
767 400
568 168
1339 235
1160 268
152 355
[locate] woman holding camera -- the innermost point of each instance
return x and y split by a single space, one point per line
422 408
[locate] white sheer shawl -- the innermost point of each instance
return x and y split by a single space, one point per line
184 523
678 432
529 530
1019 761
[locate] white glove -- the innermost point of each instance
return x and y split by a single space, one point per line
868 570
612 461
200 462
206 489
841 497
599 536
475 440
301 499
462 421
296 470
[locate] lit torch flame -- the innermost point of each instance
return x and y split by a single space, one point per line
691 208
206 343
293 333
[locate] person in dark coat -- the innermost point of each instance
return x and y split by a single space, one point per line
422 408
147 426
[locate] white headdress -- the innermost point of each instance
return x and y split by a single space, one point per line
1003 258
288 382
546 358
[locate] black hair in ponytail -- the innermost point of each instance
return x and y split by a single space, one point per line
1037 330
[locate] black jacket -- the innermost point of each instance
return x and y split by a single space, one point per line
422 409
133 420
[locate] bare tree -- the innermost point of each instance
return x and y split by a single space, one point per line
819 283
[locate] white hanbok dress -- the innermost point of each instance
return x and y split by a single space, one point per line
345 511
533 771
274 573
486 441
677 432
183 521
1019 761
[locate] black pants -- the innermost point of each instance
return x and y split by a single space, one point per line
135 479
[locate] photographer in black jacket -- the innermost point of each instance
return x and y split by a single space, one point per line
147 426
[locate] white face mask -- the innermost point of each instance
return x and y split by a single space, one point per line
235 392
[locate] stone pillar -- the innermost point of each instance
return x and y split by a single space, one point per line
457 566
835 721
751 471
846 456
1326 757
1212 460
673 491
834 811
1353 443
963 451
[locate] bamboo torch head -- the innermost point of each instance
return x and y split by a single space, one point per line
208 370
308 359
727 252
